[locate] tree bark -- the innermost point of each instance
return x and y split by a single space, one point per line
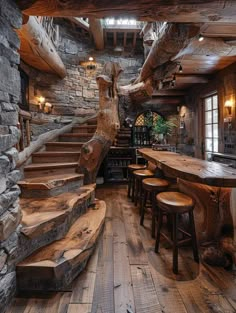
41 47
94 151
159 10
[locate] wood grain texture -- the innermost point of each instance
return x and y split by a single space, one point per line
55 266
143 10
192 169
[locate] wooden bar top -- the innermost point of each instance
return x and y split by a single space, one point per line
191 169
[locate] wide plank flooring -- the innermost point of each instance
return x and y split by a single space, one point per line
125 275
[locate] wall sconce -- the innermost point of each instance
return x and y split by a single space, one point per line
41 101
47 108
91 65
228 105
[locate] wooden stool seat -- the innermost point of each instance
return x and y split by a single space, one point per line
143 173
174 204
155 184
131 168
152 186
134 167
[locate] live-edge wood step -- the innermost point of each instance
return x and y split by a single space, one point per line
55 266
48 169
75 137
64 146
84 129
49 186
49 219
55 156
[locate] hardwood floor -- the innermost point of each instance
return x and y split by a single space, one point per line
124 275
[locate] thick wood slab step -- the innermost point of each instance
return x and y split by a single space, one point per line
48 169
55 156
47 220
75 137
55 266
41 215
64 146
49 186
84 129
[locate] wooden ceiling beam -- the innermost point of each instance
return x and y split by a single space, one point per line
96 28
203 11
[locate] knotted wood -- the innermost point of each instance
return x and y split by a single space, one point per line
94 151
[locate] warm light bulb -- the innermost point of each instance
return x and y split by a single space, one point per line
41 99
200 38
228 103
90 58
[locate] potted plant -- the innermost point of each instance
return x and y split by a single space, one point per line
161 129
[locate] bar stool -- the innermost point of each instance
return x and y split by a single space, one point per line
138 177
151 187
175 204
131 169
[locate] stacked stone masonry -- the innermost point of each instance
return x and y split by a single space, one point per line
10 214
77 93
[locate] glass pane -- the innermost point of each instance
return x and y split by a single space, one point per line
215 130
215 145
208 117
208 131
208 145
215 102
215 116
208 104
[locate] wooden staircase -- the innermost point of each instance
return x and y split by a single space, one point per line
61 220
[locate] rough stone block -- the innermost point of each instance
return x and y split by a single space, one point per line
9 33
7 290
9 222
9 118
13 156
8 198
10 245
4 96
3 258
13 177
9 107
3 183
4 165
9 78
4 130
10 11
88 93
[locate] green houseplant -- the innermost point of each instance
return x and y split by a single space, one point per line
162 128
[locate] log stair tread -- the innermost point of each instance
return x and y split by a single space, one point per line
42 215
45 166
56 153
56 265
64 144
77 135
49 182
84 127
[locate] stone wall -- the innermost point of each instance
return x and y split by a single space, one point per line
77 93
10 215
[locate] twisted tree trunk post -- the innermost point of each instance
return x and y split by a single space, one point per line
94 151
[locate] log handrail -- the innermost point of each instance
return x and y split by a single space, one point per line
24 126
51 29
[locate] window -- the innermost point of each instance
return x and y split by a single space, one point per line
24 105
211 125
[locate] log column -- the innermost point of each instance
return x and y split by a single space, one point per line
94 151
